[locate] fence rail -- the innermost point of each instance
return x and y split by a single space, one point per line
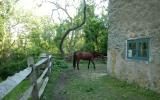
38 74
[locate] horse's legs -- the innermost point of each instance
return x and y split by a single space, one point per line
93 64
74 66
78 64
88 64
74 60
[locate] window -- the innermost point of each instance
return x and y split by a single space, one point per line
138 49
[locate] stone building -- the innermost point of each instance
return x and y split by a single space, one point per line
134 42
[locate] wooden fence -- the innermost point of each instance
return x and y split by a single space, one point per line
38 74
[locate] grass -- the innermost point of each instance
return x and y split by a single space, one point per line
18 91
104 88
48 93
59 65
107 88
130 91
89 85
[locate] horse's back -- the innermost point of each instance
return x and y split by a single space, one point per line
84 55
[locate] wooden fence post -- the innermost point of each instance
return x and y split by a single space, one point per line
35 86
30 61
42 56
33 78
48 63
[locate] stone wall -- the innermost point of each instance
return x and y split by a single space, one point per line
134 19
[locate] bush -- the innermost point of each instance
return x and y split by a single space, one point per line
9 67
16 61
60 63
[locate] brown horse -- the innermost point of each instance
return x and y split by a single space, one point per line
77 56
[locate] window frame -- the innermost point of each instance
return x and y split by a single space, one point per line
138 41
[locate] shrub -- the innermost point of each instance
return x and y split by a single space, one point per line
60 63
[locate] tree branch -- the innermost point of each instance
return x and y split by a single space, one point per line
63 9
73 28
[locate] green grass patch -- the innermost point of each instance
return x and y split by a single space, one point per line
48 93
129 91
17 93
59 65
104 88
95 85
107 88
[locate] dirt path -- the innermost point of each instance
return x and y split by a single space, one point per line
59 93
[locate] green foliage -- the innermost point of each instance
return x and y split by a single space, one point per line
95 32
61 64
11 65
40 34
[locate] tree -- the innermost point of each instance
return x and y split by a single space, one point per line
6 10
95 31
73 28
69 24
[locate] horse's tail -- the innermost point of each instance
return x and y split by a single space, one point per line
74 60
